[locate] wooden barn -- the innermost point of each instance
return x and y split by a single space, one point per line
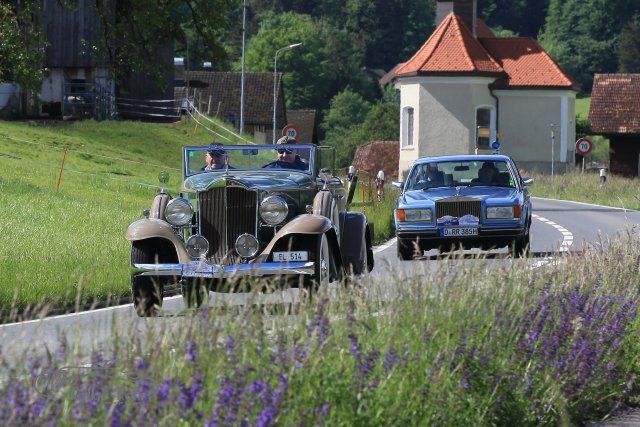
217 93
615 114
76 82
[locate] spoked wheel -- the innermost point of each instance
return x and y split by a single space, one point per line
322 262
147 291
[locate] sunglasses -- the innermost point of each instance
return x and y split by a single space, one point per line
284 150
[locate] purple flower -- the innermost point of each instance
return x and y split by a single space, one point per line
191 351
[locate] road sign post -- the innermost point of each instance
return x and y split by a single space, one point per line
291 131
583 147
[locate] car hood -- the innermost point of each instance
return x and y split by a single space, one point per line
497 194
271 181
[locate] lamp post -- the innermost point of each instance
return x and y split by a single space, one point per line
553 145
275 99
242 82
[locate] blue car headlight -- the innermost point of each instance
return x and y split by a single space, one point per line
413 215
501 212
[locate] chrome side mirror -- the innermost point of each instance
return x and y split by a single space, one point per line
398 184
527 181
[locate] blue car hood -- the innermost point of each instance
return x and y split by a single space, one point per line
496 194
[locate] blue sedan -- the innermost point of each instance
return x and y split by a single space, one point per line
463 201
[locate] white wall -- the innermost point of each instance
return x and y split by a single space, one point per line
525 124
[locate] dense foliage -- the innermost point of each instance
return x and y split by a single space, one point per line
582 35
21 45
629 47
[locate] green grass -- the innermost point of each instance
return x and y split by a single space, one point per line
617 192
57 245
380 214
462 344
582 106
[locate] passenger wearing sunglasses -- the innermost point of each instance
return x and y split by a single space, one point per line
287 157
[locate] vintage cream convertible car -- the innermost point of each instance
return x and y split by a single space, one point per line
251 217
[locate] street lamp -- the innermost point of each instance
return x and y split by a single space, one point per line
275 99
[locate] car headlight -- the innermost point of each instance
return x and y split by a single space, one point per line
197 246
500 212
274 210
413 215
178 212
247 246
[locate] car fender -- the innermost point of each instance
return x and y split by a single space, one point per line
159 204
153 228
354 227
306 224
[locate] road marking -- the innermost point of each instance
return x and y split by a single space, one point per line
567 240
587 204
384 246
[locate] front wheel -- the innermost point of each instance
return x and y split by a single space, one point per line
405 250
147 291
522 246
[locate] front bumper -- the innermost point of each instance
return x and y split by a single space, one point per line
486 238
211 271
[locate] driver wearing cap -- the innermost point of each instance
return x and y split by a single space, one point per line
287 157
215 158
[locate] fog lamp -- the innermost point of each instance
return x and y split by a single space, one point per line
197 246
247 245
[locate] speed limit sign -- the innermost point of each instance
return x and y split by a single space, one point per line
583 146
291 131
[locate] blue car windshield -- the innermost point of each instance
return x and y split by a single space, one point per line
493 173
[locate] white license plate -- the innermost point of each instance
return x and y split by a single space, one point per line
459 232
290 256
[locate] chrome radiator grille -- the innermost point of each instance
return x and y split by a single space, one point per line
225 214
458 206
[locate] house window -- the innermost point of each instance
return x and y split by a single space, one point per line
407 127
485 126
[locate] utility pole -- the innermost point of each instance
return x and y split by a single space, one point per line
242 83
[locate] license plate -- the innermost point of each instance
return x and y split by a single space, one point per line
290 256
459 232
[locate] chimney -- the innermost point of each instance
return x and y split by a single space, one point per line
465 9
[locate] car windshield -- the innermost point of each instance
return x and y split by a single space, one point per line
493 173
253 157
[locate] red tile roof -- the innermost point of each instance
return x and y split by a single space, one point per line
482 29
451 50
378 155
615 104
527 64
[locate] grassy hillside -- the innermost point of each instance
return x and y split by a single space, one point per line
60 243
582 106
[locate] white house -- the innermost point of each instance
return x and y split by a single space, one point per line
464 88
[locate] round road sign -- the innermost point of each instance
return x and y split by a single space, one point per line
583 146
291 131
495 145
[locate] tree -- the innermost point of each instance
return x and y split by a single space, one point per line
629 47
306 68
582 35
524 17
382 123
22 46
135 33
342 123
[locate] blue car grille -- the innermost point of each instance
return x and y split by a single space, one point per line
458 206
225 214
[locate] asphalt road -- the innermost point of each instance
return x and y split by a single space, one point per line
557 226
